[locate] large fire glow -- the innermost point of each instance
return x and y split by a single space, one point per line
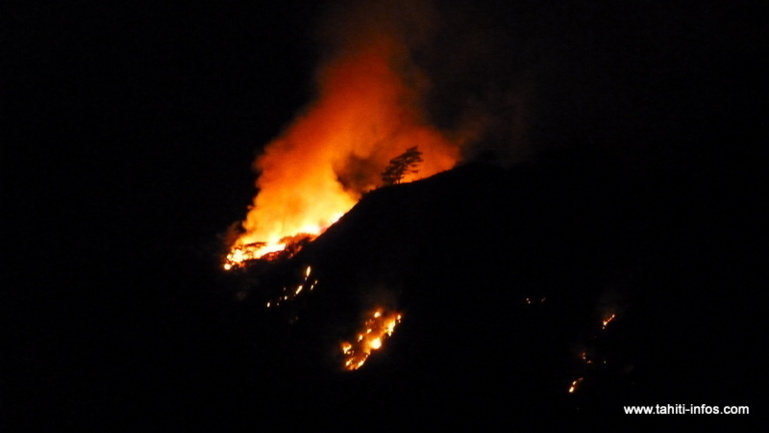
368 111
377 327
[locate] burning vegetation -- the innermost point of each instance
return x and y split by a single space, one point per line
605 322
369 110
587 358
288 246
287 293
379 325
575 384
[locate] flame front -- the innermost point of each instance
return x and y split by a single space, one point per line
377 327
369 110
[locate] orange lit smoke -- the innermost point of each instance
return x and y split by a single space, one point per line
368 111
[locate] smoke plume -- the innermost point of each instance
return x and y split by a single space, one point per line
373 88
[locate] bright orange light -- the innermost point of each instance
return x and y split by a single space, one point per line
376 343
336 149
304 285
379 325
574 384
607 320
346 347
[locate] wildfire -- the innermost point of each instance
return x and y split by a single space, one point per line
607 320
286 247
528 300
583 356
369 110
377 327
574 385
286 295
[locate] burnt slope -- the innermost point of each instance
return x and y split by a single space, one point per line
504 276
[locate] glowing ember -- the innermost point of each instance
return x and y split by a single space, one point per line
574 385
306 284
608 320
530 301
377 328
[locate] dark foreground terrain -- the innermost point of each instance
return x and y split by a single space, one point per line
503 276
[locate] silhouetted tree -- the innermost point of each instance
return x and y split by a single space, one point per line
405 163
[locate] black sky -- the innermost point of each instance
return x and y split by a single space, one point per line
115 95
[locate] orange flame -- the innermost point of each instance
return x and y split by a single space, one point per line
607 320
574 385
376 329
286 295
368 112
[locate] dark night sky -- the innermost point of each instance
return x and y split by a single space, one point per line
129 131
173 101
